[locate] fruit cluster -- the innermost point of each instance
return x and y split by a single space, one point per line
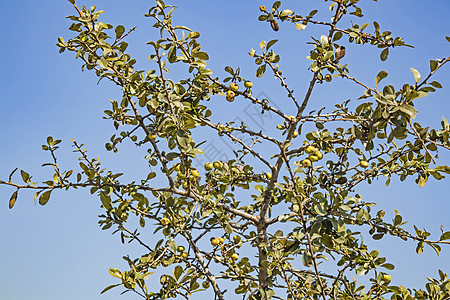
234 87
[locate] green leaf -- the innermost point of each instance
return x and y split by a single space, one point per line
419 248
380 76
384 54
103 63
25 176
445 236
193 35
445 169
408 109
436 84
119 31
201 55
197 151
228 69
35 197
106 200
416 75
172 55
177 272
433 65
43 199
337 36
448 38
361 271
388 266
260 71
422 181
72 1
115 273
110 287
300 26
12 200
286 12
324 40
270 44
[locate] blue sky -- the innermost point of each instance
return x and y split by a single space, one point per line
58 251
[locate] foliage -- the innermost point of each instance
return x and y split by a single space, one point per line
210 232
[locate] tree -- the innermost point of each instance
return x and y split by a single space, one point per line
212 222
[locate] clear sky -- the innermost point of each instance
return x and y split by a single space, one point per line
58 251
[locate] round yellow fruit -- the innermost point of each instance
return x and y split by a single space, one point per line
165 263
165 221
152 136
163 279
306 163
310 149
269 175
291 118
180 248
205 284
295 134
229 99
262 8
318 154
185 255
221 240
364 163
328 78
209 166
215 242
248 84
234 87
235 256
313 158
195 173
231 94
218 165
